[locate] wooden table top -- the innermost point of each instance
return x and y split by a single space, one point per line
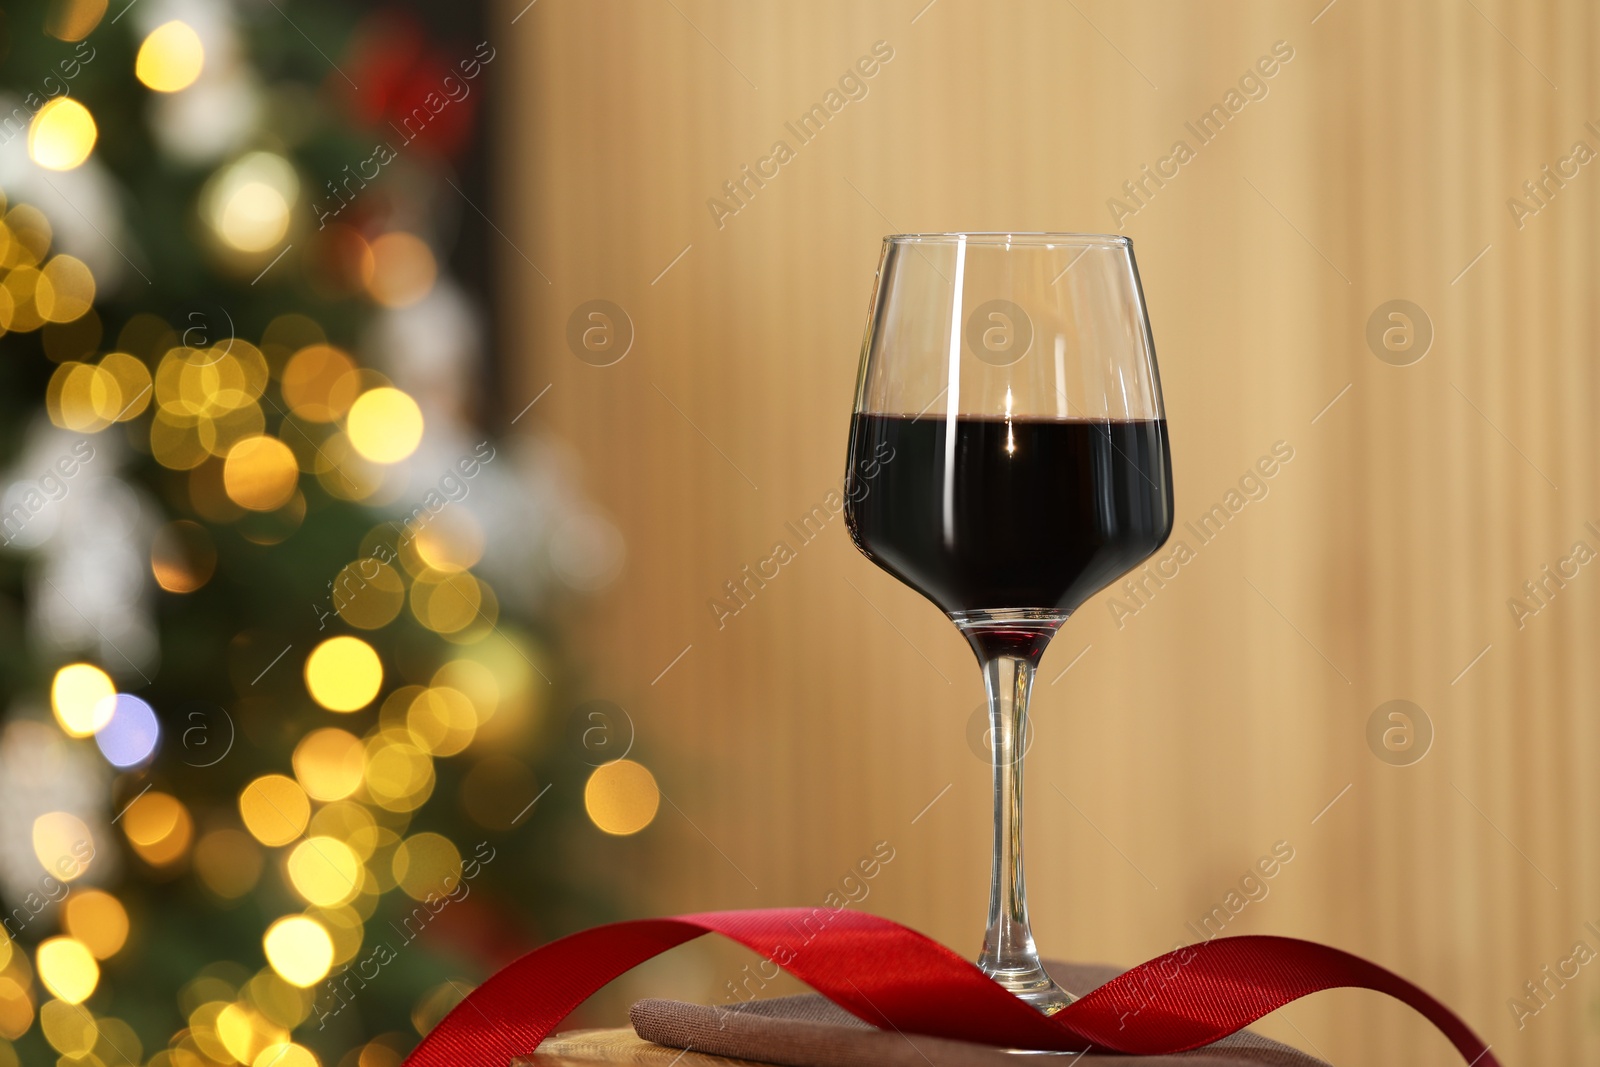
583 1048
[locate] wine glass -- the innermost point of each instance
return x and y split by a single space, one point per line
1008 460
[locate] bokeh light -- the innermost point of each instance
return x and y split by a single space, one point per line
73 20
248 202
286 1055
320 382
65 290
71 1030
158 827
274 809
325 871
130 738
16 1007
170 58
368 594
385 425
299 949
399 774
63 844
98 920
62 134
621 797
81 697
246 1033
67 969
84 397
343 674
425 864
328 763
260 473
398 269
182 556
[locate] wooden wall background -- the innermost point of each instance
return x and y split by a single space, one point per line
1229 712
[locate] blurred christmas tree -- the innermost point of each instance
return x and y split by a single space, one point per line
280 767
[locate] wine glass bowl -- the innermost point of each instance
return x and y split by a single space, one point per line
1008 415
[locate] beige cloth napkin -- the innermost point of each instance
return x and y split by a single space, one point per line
810 1031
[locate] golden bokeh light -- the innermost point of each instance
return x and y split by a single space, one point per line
20 311
443 720
246 1033
229 862
325 871
299 949
320 382
68 1029
398 269
348 821
16 1007
73 20
158 827
426 863
28 234
84 397
385 425
63 844
82 697
133 382
343 674
446 603
62 134
274 809
285 1055
285 1004
248 202
97 919
260 473
182 556
171 58
71 1030
399 774
67 969
66 289
368 594
621 797
328 763
452 541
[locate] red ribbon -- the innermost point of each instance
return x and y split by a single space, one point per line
892 976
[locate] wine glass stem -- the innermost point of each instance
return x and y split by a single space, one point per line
1009 955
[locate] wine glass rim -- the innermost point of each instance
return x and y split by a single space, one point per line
1035 237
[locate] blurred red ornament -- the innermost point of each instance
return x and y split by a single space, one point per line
415 95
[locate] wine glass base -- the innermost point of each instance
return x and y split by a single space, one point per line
1032 986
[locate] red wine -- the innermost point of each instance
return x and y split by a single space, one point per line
1010 513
